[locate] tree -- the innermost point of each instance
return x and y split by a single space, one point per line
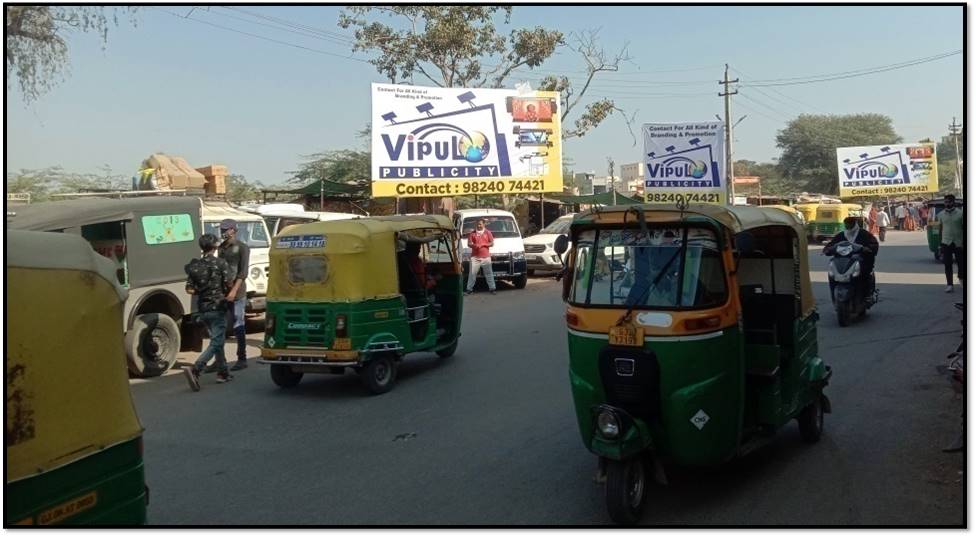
240 190
810 142
36 182
42 183
36 48
448 45
771 179
345 166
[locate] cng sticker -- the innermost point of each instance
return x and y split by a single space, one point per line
700 419
271 342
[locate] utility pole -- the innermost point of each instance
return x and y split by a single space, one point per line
729 172
612 187
955 130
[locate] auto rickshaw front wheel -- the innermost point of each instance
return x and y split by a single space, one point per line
152 344
283 376
811 420
379 374
626 490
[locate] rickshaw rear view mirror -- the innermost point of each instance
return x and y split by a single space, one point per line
561 245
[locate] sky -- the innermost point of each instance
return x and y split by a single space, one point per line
177 83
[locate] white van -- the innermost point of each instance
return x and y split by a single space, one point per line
251 230
508 254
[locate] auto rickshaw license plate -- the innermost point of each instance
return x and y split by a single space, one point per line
626 336
342 344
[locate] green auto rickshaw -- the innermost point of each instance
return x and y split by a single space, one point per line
933 228
360 294
73 440
692 338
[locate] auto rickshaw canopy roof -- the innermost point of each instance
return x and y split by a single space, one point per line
735 218
68 391
360 257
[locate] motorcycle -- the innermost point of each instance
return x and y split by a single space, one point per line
847 281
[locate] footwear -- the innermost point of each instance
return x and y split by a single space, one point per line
210 369
224 377
948 288
492 291
468 292
240 365
192 378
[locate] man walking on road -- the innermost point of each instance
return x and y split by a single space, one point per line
900 214
953 238
480 241
237 255
883 222
209 279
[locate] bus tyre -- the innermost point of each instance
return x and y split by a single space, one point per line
811 420
152 344
379 374
283 376
444 353
626 490
520 281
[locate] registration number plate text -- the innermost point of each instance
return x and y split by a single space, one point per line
626 336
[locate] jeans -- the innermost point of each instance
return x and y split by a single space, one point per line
479 263
948 252
235 316
216 322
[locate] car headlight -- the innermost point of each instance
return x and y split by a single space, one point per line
255 273
608 424
518 255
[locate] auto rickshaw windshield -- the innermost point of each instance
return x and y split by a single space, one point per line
663 268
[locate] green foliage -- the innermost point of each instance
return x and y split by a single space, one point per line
771 179
345 166
36 49
810 142
42 183
240 190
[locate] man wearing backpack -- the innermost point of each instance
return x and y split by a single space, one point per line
209 279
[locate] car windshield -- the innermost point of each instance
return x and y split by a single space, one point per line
251 233
628 267
500 226
560 226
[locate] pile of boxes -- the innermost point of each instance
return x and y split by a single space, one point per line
216 177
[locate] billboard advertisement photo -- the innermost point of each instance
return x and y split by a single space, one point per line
887 169
440 142
684 162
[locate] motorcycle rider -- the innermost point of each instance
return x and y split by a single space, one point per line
854 234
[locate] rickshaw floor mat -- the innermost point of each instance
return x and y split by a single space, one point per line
631 379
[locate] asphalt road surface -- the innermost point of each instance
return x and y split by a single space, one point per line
488 436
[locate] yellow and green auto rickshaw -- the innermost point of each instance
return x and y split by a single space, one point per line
693 340
933 227
73 440
361 294
809 211
830 219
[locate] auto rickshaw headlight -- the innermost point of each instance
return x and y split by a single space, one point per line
608 424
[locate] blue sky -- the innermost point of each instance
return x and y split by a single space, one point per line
183 87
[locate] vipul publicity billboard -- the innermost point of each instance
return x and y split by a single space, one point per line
887 169
684 162
440 142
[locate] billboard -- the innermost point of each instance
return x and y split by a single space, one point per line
439 142
684 161
887 169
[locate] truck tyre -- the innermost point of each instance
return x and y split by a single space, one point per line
520 281
283 376
152 344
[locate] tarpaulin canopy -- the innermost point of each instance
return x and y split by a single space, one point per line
327 188
605 198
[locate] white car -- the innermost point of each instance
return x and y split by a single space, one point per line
508 253
539 251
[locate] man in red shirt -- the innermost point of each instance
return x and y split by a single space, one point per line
480 241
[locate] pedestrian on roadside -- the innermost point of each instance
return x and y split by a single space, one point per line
900 214
913 213
883 222
480 241
237 255
208 279
953 239
923 214
873 220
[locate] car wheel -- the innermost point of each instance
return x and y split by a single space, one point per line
520 281
152 344
530 272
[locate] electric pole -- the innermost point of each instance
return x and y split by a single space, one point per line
954 131
610 169
729 172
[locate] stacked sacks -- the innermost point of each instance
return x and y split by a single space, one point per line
216 178
164 172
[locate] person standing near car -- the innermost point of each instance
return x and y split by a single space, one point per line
953 238
480 241
237 255
208 279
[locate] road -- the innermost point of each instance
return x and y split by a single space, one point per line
488 436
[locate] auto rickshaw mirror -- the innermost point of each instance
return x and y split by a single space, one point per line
561 245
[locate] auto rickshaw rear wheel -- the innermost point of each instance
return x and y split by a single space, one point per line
283 376
811 420
626 490
448 351
379 374
152 344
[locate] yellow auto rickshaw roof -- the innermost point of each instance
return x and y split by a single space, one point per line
68 391
361 230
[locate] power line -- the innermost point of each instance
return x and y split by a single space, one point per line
302 33
780 93
761 113
345 39
892 67
764 105
286 43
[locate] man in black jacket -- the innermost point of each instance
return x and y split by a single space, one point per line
855 235
237 255
209 279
